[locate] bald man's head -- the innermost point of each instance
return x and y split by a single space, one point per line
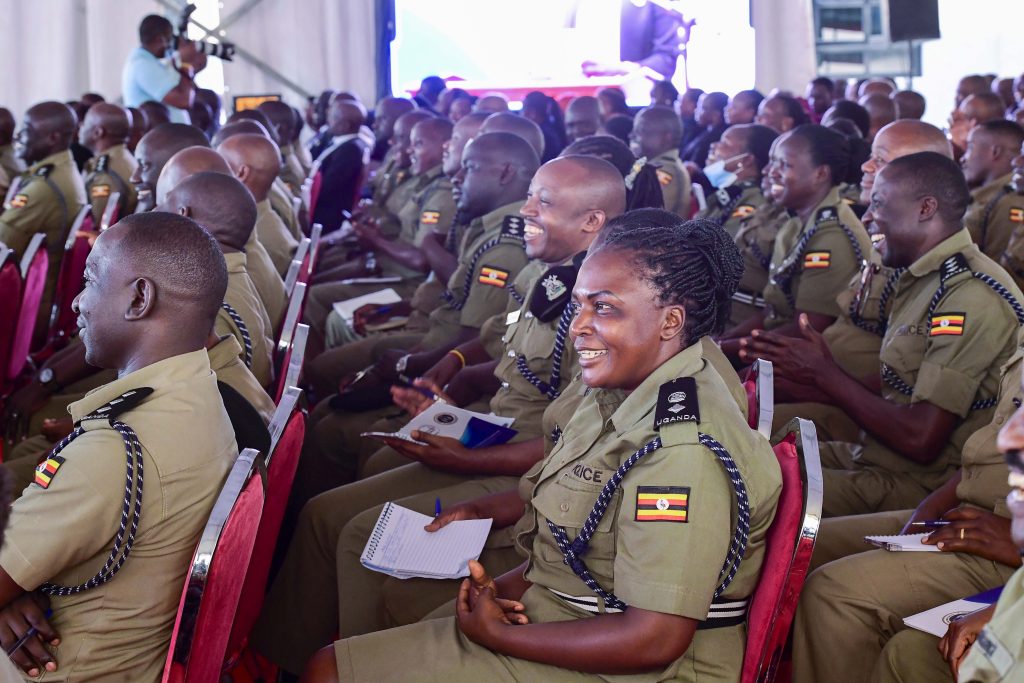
139 126
983 107
426 144
881 110
281 118
105 125
991 147
47 128
6 126
219 203
876 86
157 113
656 130
386 113
507 122
909 104
244 127
345 117
496 170
582 117
974 84
467 128
401 137
254 160
257 116
899 139
493 102
185 164
156 147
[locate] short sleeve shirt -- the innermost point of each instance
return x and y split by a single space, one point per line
999 650
147 78
730 206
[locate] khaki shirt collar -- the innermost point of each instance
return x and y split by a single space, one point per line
982 193
159 375
57 159
235 261
493 220
932 260
224 352
670 155
263 208
831 199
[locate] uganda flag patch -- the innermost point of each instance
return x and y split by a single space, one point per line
19 201
1017 214
662 503
817 259
742 211
99 191
493 276
664 177
47 470
947 323
430 217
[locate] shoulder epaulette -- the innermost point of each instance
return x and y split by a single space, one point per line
953 266
677 402
102 162
44 171
512 228
826 214
120 405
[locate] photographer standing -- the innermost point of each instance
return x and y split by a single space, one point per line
150 74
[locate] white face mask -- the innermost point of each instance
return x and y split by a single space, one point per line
718 176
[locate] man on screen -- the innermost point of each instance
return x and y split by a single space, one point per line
648 37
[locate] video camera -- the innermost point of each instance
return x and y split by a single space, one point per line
225 51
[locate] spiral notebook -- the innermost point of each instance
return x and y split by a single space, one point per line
400 547
904 543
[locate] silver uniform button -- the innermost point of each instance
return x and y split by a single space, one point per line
504 385
511 354
529 315
564 507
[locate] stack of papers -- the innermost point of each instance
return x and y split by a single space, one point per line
400 547
937 620
346 309
471 429
904 542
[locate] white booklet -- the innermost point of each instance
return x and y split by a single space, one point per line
346 309
904 542
937 620
472 429
399 546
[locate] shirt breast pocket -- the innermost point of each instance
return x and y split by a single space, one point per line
567 502
905 349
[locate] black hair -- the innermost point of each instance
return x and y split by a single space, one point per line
759 143
1009 132
827 148
848 109
860 149
824 81
754 96
616 98
434 85
693 94
694 264
716 100
646 190
794 109
153 26
669 89
619 126
934 175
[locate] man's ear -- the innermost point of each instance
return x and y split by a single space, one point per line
244 171
673 322
929 207
596 219
143 299
185 211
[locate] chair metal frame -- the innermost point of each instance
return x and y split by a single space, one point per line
315 234
110 211
66 275
279 420
297 276
293 360
36 246
291 317
763 375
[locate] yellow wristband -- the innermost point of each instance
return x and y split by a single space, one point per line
458 354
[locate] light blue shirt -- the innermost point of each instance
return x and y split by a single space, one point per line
147 78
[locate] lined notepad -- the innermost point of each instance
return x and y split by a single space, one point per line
399 546
904 543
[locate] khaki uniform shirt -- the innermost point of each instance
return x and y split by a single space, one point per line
301 154
386 211
730 206
241 295
387 177
996 211
675 182
282 204
983 480
491 255
226 363
756 241
998 653
291 171
275 237
431 208
49 195
10 164
810 278
265 278
951 360
120 630
111 172
666 565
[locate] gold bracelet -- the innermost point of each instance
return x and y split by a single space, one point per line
458 354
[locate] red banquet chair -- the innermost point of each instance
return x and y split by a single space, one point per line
295 270
315 185
287 430
292 361
760 387
34 265
111 211
69 280
790 543
315 233
10 303
304 257
213 586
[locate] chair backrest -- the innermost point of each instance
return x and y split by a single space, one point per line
69 280
291 365
790 543
315 232
213 586
292 276
302 254
292 316
34 264
760 387
281 465
314 191
10 303
111 211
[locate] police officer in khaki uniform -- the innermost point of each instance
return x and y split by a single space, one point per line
656 134
105 132
847 607
1013 258
735 166
48 195
953 322
224 207
10 164
668 498
282 118
997 210
165 277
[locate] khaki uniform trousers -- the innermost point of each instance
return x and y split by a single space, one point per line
851 607
320 299
864 491
302 612
325 372
911 656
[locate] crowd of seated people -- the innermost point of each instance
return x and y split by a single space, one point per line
599 274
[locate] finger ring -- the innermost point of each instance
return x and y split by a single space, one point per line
961 534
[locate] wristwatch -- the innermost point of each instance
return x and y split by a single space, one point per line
48 378
401 363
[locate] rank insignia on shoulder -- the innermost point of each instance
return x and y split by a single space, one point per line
662 503
953 266
742 211
677 402
1017 214
826 214
820 260
552 294
119 405
514 227
947 324
47 470
430 217
19 201
99 191
664 177
102 163
495 277
44 170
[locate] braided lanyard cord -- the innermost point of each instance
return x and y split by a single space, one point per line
784 278
573 551
516 296
246 339
883 302
550 389
130 516
448 296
